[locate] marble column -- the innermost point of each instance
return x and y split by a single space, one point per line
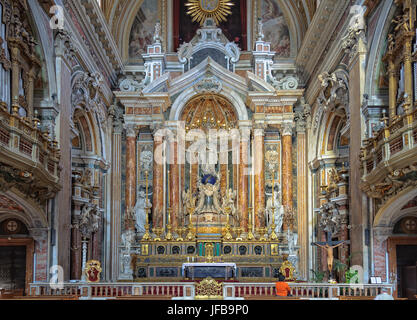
76 254
64 61
302 198
393 88
243 177
357 199
131 138
287 176
408 65
14 55
116 193
158 182
173 184
259 177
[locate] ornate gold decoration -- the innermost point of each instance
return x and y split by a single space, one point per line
201 10
209 111
251 236
93 270
287 269
227 236
209 289
145 249
209 252
158 232
274 249
273 236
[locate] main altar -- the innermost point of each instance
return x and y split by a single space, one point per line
209 163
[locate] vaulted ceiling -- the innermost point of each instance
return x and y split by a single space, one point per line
120 15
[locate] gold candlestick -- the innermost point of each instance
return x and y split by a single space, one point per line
262 236
238 231
168 235
227 236
158 233
190 235
273 236
251 236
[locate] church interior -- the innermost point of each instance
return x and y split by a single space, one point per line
201 149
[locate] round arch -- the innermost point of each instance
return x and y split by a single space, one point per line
31 216
187 95
390 213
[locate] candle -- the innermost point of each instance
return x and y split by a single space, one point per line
146 175
250 190
273 189
169 190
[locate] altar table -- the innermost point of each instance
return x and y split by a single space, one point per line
204 270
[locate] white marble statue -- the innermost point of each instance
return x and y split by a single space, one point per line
140 212
128 238
126 272
292 242
228 201
278 212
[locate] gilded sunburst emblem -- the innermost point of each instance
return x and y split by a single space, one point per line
200 10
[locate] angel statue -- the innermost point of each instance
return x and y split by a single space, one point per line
228 201
188 201
140 212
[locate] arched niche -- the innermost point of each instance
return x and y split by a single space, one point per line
188 94
209 111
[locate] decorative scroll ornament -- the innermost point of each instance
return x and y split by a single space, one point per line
131 85
209 289
209 85
356 31
200 10
333 95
